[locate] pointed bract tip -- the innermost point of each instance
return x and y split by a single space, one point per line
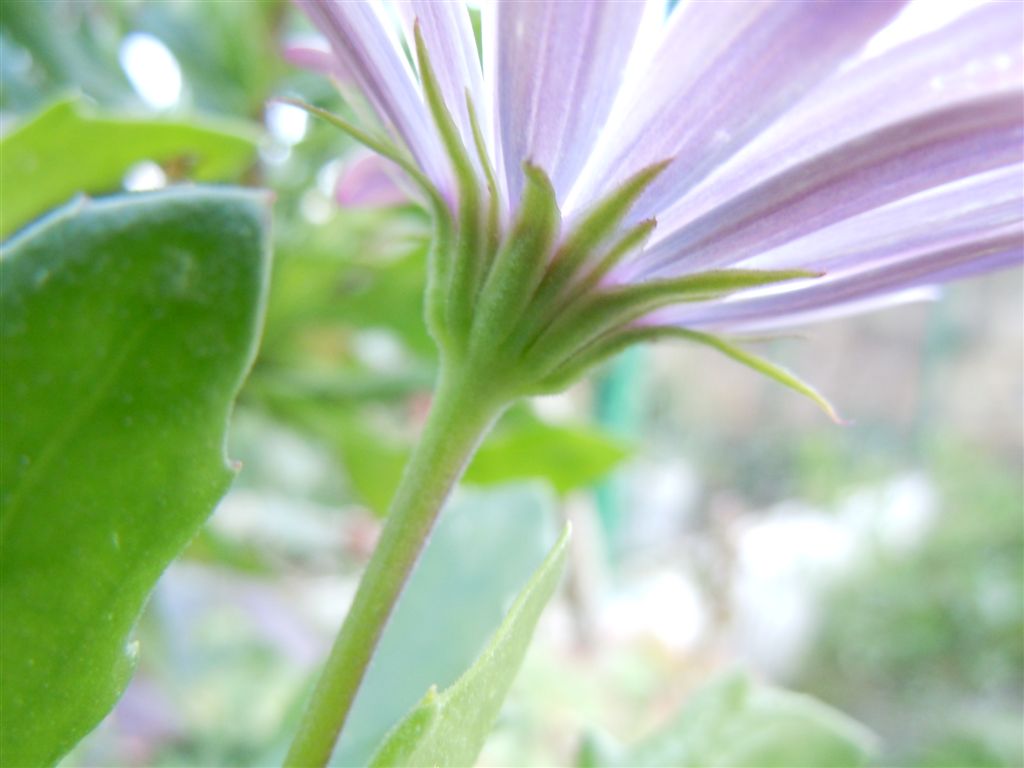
838 420
427 76
421 46
537 174
566 534
654 170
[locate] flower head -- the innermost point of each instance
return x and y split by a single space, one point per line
603 173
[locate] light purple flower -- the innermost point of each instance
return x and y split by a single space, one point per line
368 180
788 143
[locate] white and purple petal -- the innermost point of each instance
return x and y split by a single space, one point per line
555 69
932 220
865 173
837 294
723 73
977 55
309 55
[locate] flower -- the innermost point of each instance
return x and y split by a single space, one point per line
610 173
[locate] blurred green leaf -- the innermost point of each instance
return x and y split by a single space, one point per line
372 460
327 283
52 46
68 149
484 549
127 326
449 728
373 463
735 723
568 456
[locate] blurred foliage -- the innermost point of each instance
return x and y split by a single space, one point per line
735 723
222 48
53 46
67 149
928 646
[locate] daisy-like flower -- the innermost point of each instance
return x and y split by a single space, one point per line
603 173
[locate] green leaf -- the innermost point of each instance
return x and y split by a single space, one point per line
568 456
127 326
735 723
68 149
449 728
484 548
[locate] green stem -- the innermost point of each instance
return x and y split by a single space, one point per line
462 412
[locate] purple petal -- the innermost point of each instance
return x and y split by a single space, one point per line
369 180
556 70
724 72
979 54
365 44
870 171
834 295
782 321
930 221
317 60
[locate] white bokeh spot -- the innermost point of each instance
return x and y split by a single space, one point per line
152 69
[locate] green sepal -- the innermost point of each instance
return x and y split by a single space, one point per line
599 222
468 267
382 145
601 313
605 216
462 163
494 203
520 263
633 239
766 367
616 341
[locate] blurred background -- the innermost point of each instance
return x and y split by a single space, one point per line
720 520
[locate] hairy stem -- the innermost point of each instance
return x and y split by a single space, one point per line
463 410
